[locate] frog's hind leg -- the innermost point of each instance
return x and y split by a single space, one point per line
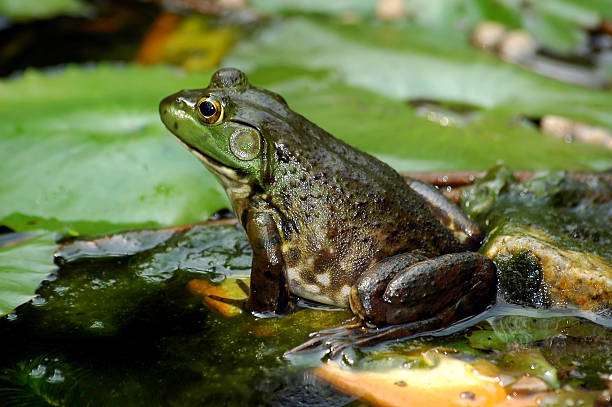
409 294
447 288
467 232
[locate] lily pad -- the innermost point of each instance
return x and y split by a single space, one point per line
75 136
558 25
87 153
20 10
23 266
412 62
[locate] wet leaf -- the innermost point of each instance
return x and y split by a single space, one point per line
533 363
445 381
22 267
86 152
514 330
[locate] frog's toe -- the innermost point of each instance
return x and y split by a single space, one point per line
240 303
349 324
333 341
243 286
330 340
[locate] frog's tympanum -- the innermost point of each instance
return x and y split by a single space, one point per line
326 221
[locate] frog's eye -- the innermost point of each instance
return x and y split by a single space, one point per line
210 110
245 143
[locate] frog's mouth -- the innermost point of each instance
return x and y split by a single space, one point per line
227 175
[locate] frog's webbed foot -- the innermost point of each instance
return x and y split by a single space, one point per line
335 340
331 340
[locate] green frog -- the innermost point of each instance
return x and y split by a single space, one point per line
326 221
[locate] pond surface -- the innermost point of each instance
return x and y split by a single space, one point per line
118 325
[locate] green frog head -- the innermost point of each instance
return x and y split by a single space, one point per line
232 127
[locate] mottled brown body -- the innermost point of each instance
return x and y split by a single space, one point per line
343 211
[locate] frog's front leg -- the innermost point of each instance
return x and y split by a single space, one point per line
407 288
268 290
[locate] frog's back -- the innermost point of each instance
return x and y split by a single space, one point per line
344 210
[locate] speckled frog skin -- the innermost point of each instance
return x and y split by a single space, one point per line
326 221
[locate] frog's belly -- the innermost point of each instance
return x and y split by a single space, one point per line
320 290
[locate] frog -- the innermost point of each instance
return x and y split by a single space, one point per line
328 222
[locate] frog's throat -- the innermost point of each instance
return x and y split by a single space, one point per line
237 188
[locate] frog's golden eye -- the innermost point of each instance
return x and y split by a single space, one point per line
210 110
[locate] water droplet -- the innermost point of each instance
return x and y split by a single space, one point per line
97 325
38 372
38 301
57 377
468 395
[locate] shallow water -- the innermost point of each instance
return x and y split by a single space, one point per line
123 329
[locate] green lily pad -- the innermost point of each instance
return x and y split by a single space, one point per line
87 153
23 266
339 7
411 62
32 9
559 25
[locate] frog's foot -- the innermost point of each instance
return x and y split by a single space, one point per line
240 303
332 340
405 288
335 340
243 286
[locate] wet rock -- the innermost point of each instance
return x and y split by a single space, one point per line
550 237
567 277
